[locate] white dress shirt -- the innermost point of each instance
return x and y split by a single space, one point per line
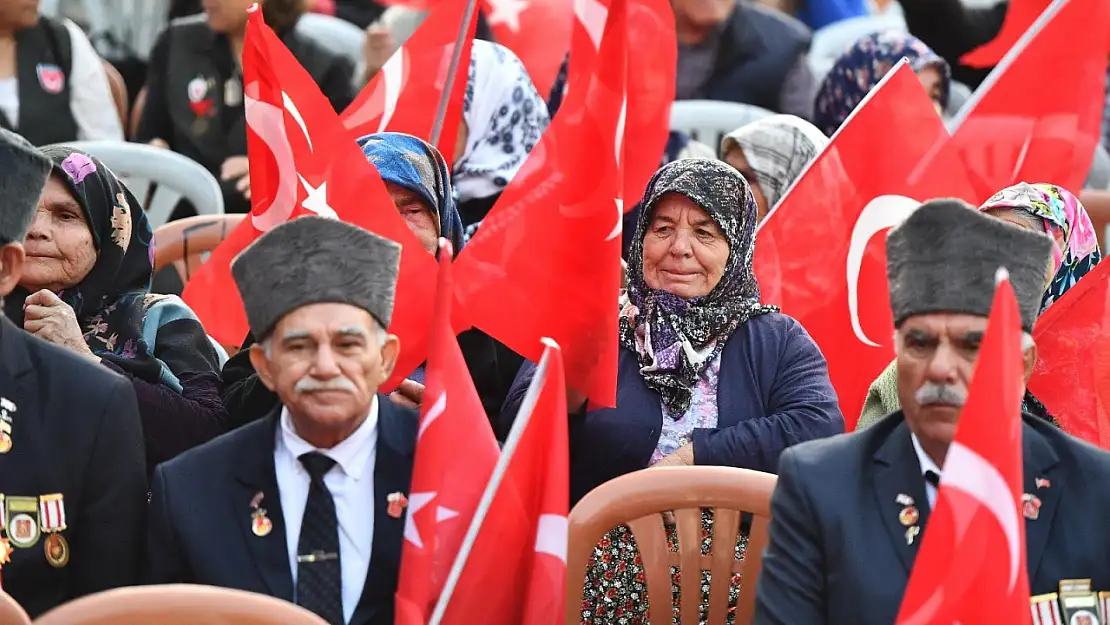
351 482
923 459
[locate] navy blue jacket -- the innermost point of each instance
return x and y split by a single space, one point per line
838 553
774 392
200 514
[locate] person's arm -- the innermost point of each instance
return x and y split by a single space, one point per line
162 564
950 28
802 405
155 123
106 547
790 589
798 90
94 108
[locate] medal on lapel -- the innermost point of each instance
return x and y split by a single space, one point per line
22 526
908 517
261 524
396 503
1030 506
6 410
52 521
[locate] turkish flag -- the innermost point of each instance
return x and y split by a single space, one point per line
303 162
446 484
816 254
546 261
971 567
404 95
1020 15
1006 134
1072 376
537 31
513 572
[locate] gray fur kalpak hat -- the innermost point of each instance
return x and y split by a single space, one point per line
310 260
23 173
943 258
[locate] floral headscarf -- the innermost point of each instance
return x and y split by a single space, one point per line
858 70
1064 218
676 339
505 117
778 148
111 301
416 165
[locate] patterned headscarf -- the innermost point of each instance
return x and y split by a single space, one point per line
1063 217
111 301
858 70
418 166
676 338
505 117
778 148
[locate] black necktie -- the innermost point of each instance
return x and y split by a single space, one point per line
933 478
319 578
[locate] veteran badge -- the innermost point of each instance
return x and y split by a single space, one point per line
396 504
261 524
22 526
57 550
52 513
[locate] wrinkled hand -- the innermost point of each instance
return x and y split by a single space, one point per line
681 457
46 316
237 168
409 394
377 48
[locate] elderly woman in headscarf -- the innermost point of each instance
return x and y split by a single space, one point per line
86 287
771 153
1042 208
503 119
706 374
862 66
416 176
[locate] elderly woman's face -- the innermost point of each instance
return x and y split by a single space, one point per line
684 249
59 244
416 213
735 157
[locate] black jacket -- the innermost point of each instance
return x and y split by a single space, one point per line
200 514
75 431
952 30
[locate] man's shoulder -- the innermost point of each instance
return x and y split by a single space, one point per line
825 455
1072 451
221 455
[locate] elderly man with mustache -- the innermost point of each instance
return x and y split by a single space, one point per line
307 504
848 512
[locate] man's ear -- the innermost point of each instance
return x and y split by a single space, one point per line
261 365
12 260
1030 357
391 349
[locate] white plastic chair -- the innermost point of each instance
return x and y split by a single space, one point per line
709 120
334 34
177 177
830 42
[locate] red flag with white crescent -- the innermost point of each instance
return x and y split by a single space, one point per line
971 564
303 162
537 31
817 255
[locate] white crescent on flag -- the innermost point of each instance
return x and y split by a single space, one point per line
268 122
881 213
619 143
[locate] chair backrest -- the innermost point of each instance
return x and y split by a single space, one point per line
178 604
708 121
184 243
10 611
830 42
176 177
119 92
338 36
638 501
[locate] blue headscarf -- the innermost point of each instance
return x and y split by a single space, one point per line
415 164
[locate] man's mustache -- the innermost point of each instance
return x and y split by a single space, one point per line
308 384
932 393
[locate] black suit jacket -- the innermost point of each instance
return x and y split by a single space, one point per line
838 553
75 431
200 527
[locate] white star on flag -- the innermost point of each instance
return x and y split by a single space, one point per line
416 502
507 12
317 200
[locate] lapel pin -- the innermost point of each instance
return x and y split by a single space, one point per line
1042 483
6 408
397 503
903 499
909 516
1030 506
261 524
911 533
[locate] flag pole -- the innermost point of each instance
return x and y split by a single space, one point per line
524 415
452 70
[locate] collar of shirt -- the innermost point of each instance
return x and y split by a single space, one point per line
927 465
350 455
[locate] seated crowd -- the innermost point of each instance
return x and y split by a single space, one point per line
135 450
